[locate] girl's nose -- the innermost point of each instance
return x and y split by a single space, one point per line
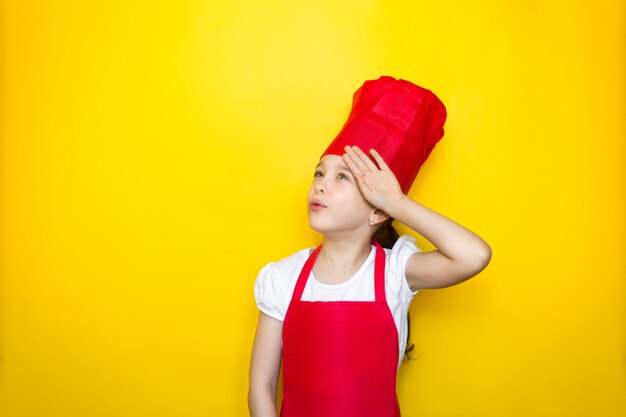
320 187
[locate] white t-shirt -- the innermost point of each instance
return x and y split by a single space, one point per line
276 281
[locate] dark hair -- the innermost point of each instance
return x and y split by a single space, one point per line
387 236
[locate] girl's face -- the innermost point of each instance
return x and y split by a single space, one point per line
335 203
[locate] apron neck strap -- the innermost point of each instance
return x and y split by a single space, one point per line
379 273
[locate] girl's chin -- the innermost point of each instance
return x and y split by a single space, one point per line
319 227
316 227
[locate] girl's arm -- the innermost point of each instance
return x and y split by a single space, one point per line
460 253
265 367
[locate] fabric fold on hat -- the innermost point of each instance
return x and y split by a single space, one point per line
400 120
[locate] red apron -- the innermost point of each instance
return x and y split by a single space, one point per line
340 358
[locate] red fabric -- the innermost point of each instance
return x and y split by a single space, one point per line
340 358
399 119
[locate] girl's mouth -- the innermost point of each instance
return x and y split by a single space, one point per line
315 205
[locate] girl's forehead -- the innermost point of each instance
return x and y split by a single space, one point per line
331 160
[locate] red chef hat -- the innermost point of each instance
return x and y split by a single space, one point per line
399 119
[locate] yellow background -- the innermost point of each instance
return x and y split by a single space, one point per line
155 155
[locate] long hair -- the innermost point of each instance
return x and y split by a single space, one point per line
386 235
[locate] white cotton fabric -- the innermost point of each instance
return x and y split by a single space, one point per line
276 281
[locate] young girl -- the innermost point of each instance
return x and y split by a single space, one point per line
336 315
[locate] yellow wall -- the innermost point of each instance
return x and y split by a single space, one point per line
154 156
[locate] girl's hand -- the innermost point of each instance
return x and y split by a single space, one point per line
380 187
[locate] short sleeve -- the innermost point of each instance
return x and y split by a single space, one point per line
269 294
402 250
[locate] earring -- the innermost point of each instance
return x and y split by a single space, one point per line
371 222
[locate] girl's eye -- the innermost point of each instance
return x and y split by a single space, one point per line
340 175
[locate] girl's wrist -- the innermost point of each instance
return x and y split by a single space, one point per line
390 208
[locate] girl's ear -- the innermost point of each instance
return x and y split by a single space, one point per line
377 216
